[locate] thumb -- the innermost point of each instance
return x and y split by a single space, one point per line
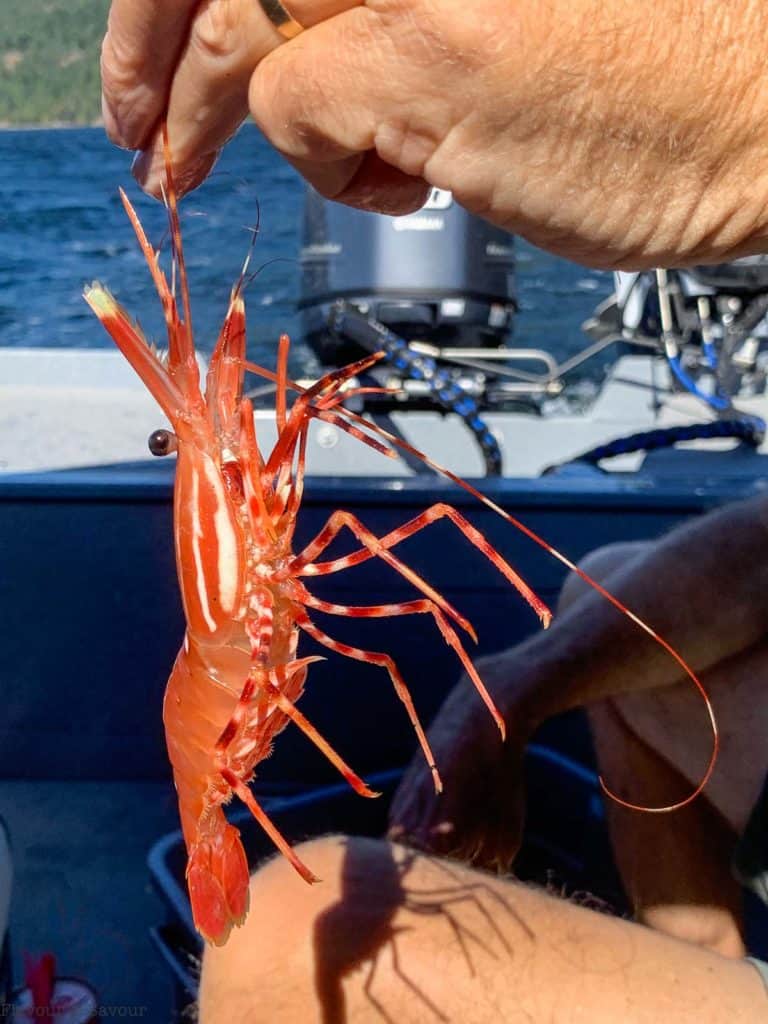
346 103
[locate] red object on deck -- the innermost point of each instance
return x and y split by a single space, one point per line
64 1000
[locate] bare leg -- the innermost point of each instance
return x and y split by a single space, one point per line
676 868
702 588
394 936
670 718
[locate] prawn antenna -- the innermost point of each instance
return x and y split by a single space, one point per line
173 214
243 280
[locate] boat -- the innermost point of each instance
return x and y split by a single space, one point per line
92 616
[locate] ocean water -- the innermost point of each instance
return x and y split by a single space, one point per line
62 225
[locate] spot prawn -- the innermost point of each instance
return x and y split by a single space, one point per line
238 677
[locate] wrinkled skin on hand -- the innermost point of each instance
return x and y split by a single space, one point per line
478 817
611 132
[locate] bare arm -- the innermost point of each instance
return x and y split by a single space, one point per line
702 587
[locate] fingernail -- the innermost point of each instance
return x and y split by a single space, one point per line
123 132
140 166
195 172
147 169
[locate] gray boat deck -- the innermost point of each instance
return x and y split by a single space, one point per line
81 886
109 415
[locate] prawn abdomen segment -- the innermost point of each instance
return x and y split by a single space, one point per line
210 548
201 706
219 715
195 710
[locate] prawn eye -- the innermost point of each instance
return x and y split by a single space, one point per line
163 442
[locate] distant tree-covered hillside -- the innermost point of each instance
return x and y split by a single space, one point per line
49 60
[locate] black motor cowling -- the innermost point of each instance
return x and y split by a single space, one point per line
439 275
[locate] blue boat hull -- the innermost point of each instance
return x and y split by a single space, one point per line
93 620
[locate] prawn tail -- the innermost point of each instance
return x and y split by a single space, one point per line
217 878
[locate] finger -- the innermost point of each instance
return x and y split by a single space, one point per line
209 94
311 12
367 182
325 115
414 797
138 55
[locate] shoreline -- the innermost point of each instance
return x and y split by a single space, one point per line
9 126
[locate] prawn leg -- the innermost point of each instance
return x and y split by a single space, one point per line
269 683
304 564
384 661
424 606
290 710
242 791
373 547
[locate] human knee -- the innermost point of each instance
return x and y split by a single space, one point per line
711 927
257 968
270 963
278 894
599 564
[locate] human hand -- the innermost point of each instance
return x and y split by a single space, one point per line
188 62
611 133
479 815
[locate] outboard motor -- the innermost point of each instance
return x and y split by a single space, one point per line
432 291
440 275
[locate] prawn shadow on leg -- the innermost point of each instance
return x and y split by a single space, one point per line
381 882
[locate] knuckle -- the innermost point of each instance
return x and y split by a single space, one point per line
436 34
218 30
424 22
120 66
124 93
305 107
281 101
